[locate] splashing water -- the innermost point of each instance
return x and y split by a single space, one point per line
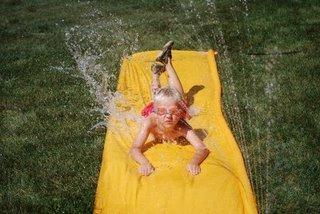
85 43
99 45
95 57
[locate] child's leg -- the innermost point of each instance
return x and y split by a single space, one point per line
156 70
155 83
173 77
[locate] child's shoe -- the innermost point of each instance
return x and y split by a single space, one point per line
158 68
166 53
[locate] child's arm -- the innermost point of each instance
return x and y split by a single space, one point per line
135 150
200 147
200 154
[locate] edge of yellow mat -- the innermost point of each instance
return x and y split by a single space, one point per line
222 121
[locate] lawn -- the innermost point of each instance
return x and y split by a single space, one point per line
59 63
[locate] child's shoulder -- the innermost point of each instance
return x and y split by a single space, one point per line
148 121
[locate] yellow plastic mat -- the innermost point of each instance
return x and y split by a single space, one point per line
221 187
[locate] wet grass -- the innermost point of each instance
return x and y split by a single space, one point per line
269 66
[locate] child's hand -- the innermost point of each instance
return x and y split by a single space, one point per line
194 169
146 169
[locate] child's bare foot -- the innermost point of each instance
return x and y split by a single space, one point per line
166 53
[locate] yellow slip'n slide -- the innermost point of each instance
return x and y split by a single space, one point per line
221 187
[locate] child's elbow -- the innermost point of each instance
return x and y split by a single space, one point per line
203 149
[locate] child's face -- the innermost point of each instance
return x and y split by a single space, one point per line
168 112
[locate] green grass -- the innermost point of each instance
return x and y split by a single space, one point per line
268 63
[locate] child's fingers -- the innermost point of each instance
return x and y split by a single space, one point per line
193 169
145 171
197 170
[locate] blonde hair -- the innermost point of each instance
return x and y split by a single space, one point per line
167 92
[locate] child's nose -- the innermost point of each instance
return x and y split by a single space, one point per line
168 115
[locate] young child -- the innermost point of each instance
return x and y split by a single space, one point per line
166 116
